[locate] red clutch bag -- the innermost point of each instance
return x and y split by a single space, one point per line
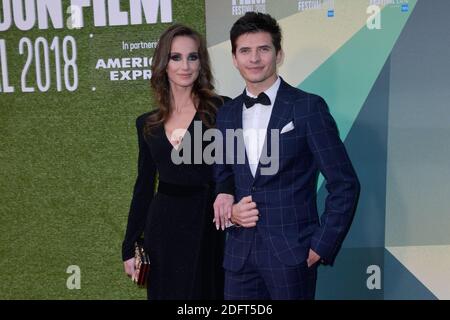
142 266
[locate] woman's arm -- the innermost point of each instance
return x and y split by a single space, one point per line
142 193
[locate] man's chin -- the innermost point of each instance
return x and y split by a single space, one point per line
255 79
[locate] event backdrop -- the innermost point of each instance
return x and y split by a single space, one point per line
68 104
74 77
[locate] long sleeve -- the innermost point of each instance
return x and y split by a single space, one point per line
341 181
142 193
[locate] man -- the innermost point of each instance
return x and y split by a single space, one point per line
277 242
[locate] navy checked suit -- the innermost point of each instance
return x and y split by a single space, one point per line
289 223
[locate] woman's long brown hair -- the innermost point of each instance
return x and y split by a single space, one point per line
203 93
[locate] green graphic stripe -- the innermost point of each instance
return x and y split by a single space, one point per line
346 78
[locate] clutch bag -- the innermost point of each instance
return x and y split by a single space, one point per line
142 265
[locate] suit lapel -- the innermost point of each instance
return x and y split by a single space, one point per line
281 113
239 104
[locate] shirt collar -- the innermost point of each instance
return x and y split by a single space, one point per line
271 92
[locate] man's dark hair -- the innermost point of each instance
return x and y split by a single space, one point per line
253 22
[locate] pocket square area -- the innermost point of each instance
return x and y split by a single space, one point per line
288 127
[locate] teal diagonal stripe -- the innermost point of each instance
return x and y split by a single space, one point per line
346 78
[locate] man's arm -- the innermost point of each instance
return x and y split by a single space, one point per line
224 178
223 172
341 181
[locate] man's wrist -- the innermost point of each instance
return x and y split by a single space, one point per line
234 223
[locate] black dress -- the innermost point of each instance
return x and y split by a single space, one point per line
184 246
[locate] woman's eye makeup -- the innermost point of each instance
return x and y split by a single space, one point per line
175 57
193 56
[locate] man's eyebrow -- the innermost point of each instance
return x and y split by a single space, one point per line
259 47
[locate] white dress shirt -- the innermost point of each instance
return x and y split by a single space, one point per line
254 124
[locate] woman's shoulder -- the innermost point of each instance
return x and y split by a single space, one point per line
140 120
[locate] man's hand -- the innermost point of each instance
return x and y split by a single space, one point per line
222 209
312 258
245 213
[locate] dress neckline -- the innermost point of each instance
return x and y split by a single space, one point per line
166 137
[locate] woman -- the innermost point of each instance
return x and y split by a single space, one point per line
184 247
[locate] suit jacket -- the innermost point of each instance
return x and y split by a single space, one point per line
289 223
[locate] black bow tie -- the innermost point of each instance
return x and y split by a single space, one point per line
262 99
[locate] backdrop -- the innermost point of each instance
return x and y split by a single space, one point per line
74 76
69 100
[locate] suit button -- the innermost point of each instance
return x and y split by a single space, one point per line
254 189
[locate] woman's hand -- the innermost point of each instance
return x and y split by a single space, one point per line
222 210
129 266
